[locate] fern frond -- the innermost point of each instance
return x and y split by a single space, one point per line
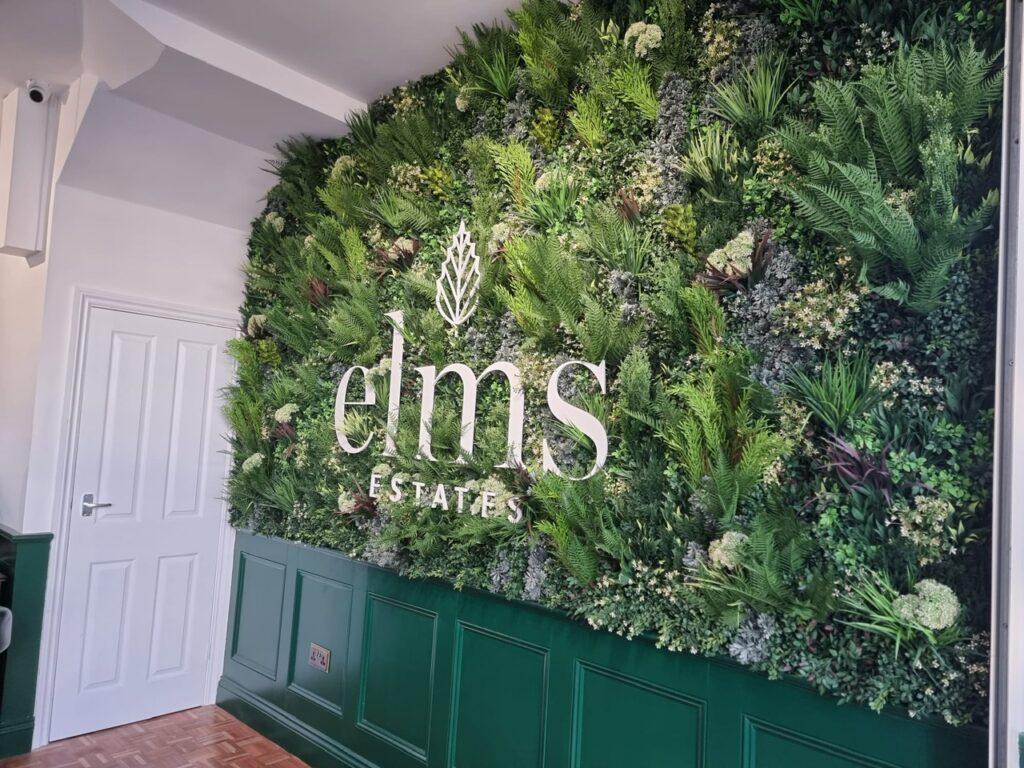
632 83
516 169
588 119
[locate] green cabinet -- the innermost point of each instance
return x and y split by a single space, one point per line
419 674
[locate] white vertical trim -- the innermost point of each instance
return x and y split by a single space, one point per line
1006 699
221 605
84 301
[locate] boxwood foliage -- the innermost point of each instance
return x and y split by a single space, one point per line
782 246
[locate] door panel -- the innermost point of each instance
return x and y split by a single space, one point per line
109 591
185 469
175 597
135 625
124 423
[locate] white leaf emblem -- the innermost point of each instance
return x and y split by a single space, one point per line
459 283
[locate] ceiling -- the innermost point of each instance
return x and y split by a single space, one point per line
361 48
39 40
192 96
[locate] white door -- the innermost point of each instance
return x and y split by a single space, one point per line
137 612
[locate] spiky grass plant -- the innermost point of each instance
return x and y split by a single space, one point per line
841 390
752 98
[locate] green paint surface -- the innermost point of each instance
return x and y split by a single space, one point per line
323 609
766 745
423 675
619 720
255 641
24 559
499 701
398 673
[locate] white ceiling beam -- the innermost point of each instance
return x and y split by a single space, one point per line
226 55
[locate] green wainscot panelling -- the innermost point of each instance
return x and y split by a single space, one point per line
257 618
617 718
422 675
24 559
499 700
320 626
399 656
766 744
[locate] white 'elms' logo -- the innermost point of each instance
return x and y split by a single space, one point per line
457 290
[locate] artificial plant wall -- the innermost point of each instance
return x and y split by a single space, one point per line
773 222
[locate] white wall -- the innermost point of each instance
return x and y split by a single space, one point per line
149 208
22 290
22 296
116 246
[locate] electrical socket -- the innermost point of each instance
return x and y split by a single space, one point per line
319 657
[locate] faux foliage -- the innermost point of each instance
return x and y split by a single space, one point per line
773 224
885 170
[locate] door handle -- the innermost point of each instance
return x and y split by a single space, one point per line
89 506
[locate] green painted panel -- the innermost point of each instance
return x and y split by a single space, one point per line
620 720
257 617
283 728
499 704
16 739
398 672
322 615
24 559
24 563
429 676
768 746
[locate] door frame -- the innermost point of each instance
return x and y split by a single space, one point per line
84 302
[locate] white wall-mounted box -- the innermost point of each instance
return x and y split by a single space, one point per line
28 132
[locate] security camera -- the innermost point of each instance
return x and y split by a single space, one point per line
38 91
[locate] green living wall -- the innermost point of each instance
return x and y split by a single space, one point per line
766 229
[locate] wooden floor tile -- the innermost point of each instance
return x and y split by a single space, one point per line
207 737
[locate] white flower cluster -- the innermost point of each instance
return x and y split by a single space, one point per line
646 181
462 99
895 379
253 462
550 178
501 233
926 525
817 315
734 257
346 502
255 325
343 166
283 415
275 221
405 100
727 552
645 38
933 605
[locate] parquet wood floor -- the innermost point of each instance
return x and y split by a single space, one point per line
207 737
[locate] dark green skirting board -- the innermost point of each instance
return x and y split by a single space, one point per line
423 675
23 562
